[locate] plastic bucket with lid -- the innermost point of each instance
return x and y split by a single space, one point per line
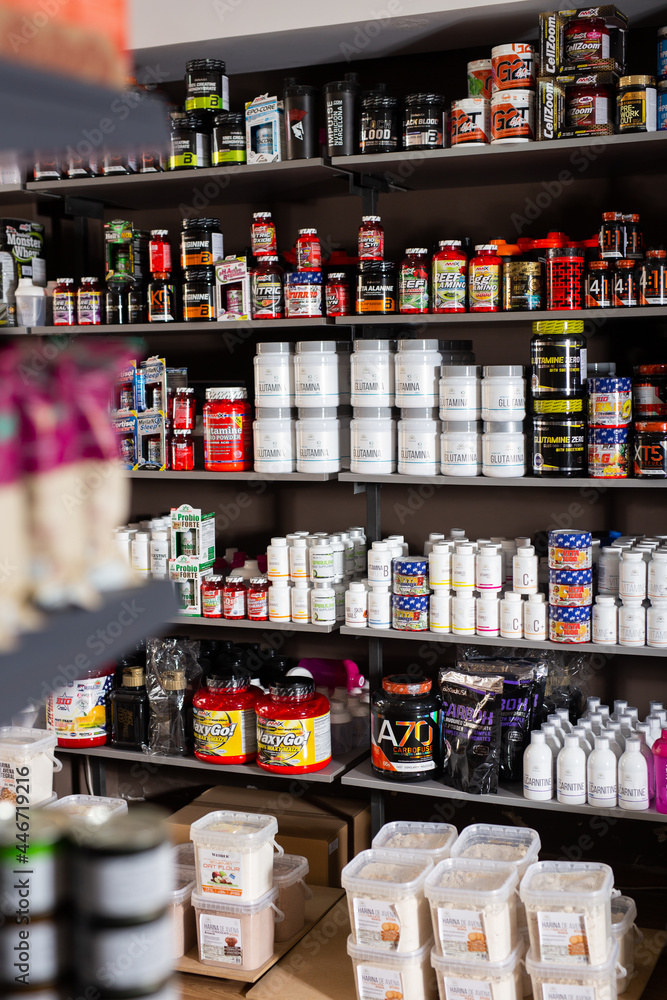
480 979
235 935
289 872
22 748
234 854
624 932
390 975
182 913
430 840
598 982
92 808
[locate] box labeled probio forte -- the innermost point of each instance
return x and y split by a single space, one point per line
265 129
187 576
193 534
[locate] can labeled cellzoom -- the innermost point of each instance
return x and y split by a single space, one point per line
470 121
513 67
513 116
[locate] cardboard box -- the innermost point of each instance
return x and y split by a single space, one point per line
265 129
357 813
151 445
321 839
552 98
124 424
187 576
187 518
232 276
151 391
551 27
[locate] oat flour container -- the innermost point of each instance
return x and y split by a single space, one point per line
234 854
384 975
90 808
473 909
234 935
624 932
424 840
289 872
486 981
385 896
22 748
568 906
552 980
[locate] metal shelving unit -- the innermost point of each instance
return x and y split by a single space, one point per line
160 329
244 623
395 479
256 477
495 318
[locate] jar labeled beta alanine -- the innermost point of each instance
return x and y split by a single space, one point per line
227 430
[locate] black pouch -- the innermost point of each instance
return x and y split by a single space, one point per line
470 730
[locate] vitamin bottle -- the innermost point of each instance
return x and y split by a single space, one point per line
279 600
440 611
535 618
64 303
356 605
234 598
225 728
293 727
371 238
277 559
89 302
511 616
524 568
300 600
485 279
413 290
379 606
258 599
212 601
449 277
487 615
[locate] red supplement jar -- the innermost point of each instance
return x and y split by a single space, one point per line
211 597
182 451
159 252
585 40
184 410
267 300
371 238
449 275
337 295
413 277
234 598
308 251
625 284
564 278
224 723
485 279
227 430
64 303
263 235
599 281
258 599
588 105
89 302
293 728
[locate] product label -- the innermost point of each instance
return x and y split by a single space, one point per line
557 367
64 309
563 938
211 603
267 296
290 743
471 125
221 872
376 923
567 991
374 983
373 451
258 605
404 747
220 939
468 989
484 286
233 603
89 308
461 932
263 239
413 289
449 285
77 710
224 734
512 118
303 300
633 790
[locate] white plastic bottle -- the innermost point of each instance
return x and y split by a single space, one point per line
338 554
279 600
300 600
417 370
340 588
316 374
605 620
656 623
657 575
356 605
524 571
358 537
571 772
511 616
463 568
648 757
434 536
379 563
564 717
159 547
317 440
274 443
372 373
379 606
440 565
418 442
298 559
508 551
633 793
535 618
440 611
619 709
463 613
608 570
631 622
277 559
488 570
632 575
601 772
323 604
348 554
488 615
274 375
140 548
538 769
554 743
580 733
321 561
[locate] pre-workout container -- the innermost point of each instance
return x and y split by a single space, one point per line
201 242
206 86
559 446
378 129
424 122
190 142
376 291
404 728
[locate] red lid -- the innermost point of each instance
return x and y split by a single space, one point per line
599 265
406 684
612 216
651 369
626 264
660 428
557 240
656 253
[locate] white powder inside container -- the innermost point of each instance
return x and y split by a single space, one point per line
238 864
386 920
550 987
474 931
496 852
416 841
182 913
572 933
392 977
388 873
478 982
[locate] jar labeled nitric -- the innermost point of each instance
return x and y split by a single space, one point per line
263 235
223 711
404 728
449 277
413 294
293 727
266 296
64 303
227 430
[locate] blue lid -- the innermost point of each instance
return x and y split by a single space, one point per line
410 564
608 435
558 614
609 384
571 577
570 539
304 278
410 602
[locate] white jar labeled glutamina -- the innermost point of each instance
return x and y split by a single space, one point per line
535 618
372 440
274 375
316 373
460 392
632 575
372 373
503 393
418 442
605 620
503 450
656 623
274 442
461 448
317 440
631 622
417 367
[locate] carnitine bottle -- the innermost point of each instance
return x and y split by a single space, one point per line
601 773
571 773
538 769
633 788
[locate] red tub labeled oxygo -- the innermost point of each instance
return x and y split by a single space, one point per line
293 728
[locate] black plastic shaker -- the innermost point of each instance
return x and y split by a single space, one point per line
300 120
340 107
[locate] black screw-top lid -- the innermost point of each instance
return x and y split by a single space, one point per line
203 274
228 118
233 678
293 688
204 64
200 224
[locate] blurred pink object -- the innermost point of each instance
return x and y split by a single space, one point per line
334 673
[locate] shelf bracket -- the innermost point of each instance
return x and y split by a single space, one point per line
368 186
373 511
82 209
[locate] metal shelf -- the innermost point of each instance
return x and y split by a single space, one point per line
327 775
254 626
483 640
159 329
472 318
260 477
395 478
290 179
514 163
363 776
85 638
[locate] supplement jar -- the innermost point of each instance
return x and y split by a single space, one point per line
89 302
316 374
227 430
569 624
564 278
570 550
409 613
636 104
503 450
370 240
503 393
512 67
303 294
233 935
608 452
308 251
201 243
417 368
263 235
378 130
512 116
77 710
234 598
522 283
28 765
559 446
223 711
585 40
234 854
372 440
479 78
404 728
258 599
649 392
418 442
317 440
424 122
410 575
413 275
289 872
266 290
190 144
589 105
376 287
571 588
460 392
212 597
199 295
293 727
471 122
228 143
274 375
650 450
449 278
372 373
652 279
461 448
485 279
558 366
609 402
64 303
337 295
274 440
624 284
599 280
206 86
